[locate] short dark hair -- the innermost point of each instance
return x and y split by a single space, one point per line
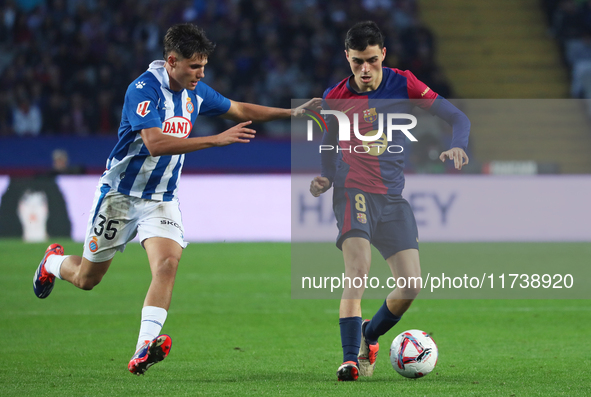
187 40
364 34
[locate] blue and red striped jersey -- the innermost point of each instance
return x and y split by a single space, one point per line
376 166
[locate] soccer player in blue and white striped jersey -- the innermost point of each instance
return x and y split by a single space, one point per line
137 194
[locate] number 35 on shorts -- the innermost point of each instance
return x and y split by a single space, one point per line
106 226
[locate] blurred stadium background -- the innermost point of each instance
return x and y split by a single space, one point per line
520 69
65 66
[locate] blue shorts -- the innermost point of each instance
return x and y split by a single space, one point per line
386 220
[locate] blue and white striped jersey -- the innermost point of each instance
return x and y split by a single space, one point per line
149 102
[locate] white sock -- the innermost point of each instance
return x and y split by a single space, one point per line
53 264
153 319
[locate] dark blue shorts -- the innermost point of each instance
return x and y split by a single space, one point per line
386 220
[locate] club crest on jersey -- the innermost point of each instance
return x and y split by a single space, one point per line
142 108
93 244
177 126
361 218
370 115
190 106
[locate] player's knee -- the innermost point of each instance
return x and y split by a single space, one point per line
410 292
357 273
168 267
358 268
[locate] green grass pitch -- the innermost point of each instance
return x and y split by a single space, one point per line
237 331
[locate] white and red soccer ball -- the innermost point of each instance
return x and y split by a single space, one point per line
413 353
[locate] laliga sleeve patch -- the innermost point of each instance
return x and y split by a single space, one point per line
142 108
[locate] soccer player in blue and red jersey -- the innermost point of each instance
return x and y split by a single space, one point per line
368 182
137 194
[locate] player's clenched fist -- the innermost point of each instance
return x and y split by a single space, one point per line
238 133
319 185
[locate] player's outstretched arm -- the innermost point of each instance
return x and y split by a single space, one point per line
456 154
160 144
242 111
319 185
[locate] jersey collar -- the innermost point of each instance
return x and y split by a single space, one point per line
157 69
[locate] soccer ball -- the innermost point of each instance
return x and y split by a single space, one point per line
413 353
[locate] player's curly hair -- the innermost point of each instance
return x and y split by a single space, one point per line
187 40
364 34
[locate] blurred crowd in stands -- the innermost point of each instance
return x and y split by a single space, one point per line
65 64
570 24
